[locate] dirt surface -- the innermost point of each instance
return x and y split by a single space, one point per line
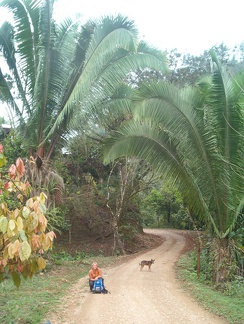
154 297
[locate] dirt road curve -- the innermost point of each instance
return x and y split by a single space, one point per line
138 296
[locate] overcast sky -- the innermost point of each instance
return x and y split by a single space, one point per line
188 25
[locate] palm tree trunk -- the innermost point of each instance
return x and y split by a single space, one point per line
199 247
222 260
40 152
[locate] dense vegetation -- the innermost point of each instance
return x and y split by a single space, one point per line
171 137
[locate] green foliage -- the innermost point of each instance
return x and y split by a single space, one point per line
228 302
83 209
173 134
60 258
60 66
164 208
46 289
193 138
230 262
127 232
14 148
187 69
22 225
86 196
57 220
83 158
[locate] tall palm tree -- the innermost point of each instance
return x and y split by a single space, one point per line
195 138
58 71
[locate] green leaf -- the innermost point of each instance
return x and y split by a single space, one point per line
23 236
16 279
3 224
20 224
6 193
25 251
41 263
25 212
2 162
11 225
42 208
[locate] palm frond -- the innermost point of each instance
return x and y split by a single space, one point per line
225 113
166 104
102 74
6 44
6 95
26 18
9 54
116 28
144 47
147 141
190 120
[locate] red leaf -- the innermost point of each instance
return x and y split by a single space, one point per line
20 167
12 171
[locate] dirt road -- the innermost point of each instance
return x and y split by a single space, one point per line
138 296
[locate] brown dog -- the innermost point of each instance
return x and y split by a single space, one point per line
146 263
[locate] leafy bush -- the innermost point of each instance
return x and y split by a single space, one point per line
22 225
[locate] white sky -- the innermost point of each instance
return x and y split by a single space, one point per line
188 25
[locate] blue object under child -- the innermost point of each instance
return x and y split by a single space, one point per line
98 286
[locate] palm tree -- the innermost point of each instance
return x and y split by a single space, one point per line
194 137
58 71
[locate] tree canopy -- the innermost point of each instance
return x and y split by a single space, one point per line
195 138
59 71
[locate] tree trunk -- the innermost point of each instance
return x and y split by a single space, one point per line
70 236
199 257
40 152
169 213
124 173
118 244
222 260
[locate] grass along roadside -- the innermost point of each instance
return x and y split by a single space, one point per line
228 304
36 297
42 294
